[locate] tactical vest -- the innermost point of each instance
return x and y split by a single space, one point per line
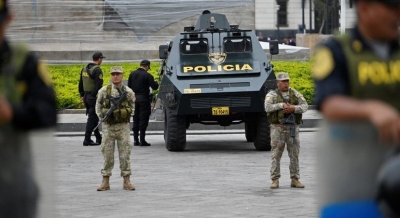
88 82
10 88
274 117
122 114
370 76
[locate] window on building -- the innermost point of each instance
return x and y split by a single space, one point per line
282 13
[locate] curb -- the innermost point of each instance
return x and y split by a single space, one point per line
82 111
188 132
159 126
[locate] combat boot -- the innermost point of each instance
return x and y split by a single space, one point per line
98 136
98 140
135 138
142 138
296 183
275 184
144 143
105 184
89 143
127 184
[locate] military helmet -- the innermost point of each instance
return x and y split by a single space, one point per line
282 76
116 69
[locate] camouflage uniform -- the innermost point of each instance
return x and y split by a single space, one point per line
116 131
280 134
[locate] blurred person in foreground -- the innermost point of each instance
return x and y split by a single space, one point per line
27 102
90 82
285 107
140 81
116 128
357 79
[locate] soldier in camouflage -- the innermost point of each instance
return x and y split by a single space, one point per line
284 107
115 128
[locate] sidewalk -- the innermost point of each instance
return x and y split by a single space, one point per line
217 176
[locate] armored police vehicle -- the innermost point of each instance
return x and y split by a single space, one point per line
215 74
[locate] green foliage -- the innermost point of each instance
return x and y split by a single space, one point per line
300 77
66 79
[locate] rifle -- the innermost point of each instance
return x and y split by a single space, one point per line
116 103
291 120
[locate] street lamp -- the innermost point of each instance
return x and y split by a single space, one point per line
277 20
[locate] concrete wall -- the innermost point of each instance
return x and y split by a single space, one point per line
62 31
60 21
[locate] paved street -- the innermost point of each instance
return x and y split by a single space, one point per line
216 176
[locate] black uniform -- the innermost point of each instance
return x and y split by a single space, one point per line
90 103
34 108
140 81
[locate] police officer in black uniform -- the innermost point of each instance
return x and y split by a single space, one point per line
357 87
27 101
140 81
90 82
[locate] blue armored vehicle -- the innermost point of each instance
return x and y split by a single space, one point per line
213 73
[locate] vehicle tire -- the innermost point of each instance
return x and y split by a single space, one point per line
262 137
165 125
175 131
249 129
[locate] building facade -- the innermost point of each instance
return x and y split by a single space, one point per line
295 16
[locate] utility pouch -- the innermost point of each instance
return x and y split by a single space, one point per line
123 113
117 114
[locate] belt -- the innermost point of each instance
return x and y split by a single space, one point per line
88 92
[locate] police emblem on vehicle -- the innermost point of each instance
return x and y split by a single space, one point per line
217 58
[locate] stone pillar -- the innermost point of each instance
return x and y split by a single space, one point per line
307 40
310 40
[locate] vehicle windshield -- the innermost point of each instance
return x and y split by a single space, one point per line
237 45
197 46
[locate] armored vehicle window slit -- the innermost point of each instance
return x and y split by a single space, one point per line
237 45
197 46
